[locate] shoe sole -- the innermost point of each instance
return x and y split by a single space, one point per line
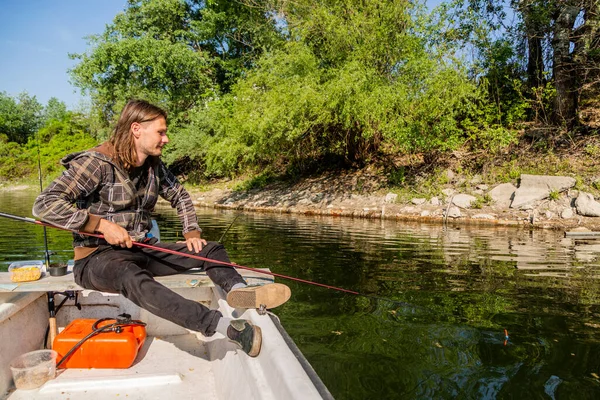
256 343
271 296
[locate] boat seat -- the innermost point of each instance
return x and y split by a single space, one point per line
64 283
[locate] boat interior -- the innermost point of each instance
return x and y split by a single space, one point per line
172 363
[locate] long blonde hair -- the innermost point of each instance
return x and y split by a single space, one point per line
122 140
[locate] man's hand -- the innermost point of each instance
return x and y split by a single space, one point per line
194 244
114 234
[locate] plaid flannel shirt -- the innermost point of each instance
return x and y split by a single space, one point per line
94 187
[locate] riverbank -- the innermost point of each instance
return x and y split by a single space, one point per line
364 195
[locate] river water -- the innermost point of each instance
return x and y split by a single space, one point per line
456 292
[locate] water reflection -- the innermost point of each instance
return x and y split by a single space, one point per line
460 289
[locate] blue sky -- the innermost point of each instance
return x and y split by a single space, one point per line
36 37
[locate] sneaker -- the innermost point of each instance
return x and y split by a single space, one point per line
246 335
270 295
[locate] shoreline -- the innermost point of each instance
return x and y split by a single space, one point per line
320 197
518 222
317 197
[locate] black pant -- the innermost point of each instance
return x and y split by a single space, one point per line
131 273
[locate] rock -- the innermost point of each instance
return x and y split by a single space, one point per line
587 206
502 194
478 192
538 187
454 212
476 179
450 175
448 192
434 201
549 215
425 213
391 198
317 197
482 187
483 216
463 200
567 213
580 229
418 201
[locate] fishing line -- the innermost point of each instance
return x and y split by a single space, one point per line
196 257
226 230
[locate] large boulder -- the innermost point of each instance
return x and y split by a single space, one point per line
463 200
502 194
538 187
587 206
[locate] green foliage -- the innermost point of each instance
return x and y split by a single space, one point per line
287 85
592 150
554 195
397 176
356 76
19 117
542 101
481 201
256 182
55 109
235 33
145 53
172 52
56 139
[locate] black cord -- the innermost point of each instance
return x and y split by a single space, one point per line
116 326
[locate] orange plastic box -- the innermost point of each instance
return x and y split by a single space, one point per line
104 350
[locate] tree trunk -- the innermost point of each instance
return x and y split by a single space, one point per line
565 106
535 55
535 62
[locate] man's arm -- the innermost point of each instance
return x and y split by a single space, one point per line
171 190
56 204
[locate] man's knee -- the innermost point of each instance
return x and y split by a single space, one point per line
215 249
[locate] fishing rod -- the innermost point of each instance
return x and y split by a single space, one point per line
47 251
196 257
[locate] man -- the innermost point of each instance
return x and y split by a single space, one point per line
112 190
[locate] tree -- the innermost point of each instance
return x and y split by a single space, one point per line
354 77
561 43
173 52
20 117
235 33
145 53
55 109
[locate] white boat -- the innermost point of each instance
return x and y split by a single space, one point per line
174 363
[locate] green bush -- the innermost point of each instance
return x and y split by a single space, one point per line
59 138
